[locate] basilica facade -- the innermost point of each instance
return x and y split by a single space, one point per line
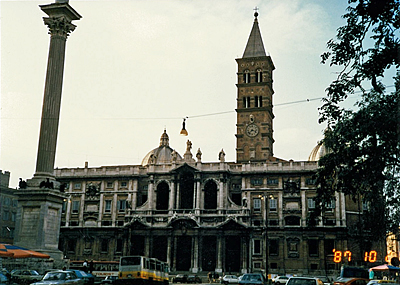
244 216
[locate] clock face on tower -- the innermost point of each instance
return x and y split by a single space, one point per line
252 130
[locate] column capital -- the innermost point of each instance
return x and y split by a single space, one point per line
59 26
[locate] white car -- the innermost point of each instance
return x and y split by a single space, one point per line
229 279
280 280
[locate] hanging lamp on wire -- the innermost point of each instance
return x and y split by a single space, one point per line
184 132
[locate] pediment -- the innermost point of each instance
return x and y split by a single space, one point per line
185 168
232 224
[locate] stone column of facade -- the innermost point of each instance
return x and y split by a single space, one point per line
343 209
169 247
337 209
171 205
40 204
195 261
150 194
198 198
114 209
178 196
219 253
221 195
82 204
303 208
245 251
69 203
280 209
134 194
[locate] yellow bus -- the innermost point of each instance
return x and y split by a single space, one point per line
141 270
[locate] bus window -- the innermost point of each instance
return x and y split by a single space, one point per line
131 260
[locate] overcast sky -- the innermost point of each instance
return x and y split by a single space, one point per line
134 68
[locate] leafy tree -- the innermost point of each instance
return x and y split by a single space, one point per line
363 143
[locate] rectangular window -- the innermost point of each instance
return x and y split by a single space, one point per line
75 207
64 206
124 184
331 205
77 186
104 245
15 203
109 185
311 203
257 265
310 181
313 246
365 205
256 246
13 215
6 215
272 181
71 245
329 245
256 181
273 247
107 207
119 245
273 205
121 205
257 204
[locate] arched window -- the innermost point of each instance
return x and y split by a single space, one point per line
246 76
259 75
162 196
210 195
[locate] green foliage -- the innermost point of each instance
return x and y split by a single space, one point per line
364 154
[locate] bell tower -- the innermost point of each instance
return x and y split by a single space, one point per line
254 139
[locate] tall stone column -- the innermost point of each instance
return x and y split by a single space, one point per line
40 203
59 24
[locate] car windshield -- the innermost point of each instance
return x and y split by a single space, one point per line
301 281
54 276
323 279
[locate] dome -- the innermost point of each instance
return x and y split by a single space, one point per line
163 154
318 151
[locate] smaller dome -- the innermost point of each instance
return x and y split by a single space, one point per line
318 151
163 154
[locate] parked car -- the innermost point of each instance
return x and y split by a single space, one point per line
109 279
279 280
253 279
180 278
229 279
193 279
87 277
304 281
351 281
24 276
3 279
383 282
60 277
325 280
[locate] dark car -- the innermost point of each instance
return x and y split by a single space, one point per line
304 281
253 279
60 277
180 278
24 276
3 279
193 279
87 277
109 280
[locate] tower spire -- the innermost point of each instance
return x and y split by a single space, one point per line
255 46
